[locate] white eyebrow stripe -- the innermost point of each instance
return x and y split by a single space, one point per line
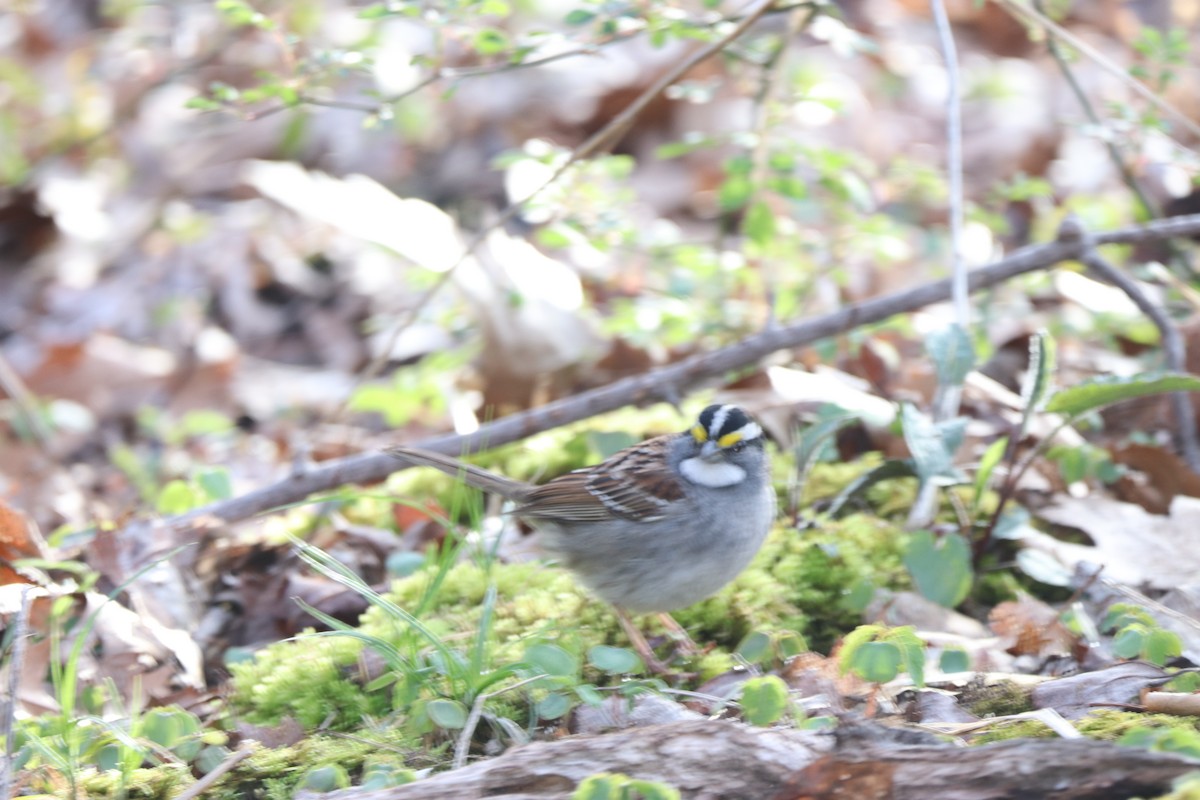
714 430
751 430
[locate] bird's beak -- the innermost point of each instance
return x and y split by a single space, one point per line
709 451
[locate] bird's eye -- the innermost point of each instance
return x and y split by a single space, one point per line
737 448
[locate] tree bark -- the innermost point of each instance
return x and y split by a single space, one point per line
727 760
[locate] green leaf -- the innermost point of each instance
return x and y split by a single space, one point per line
854 641
1121 614
614 660
176 497
447 714
1099 392
588 694
954 659
1129 641
325 779
1043 567
953 354
764 699
759 223
893 468
932 445
877 662
652 790
735 192
384 776
912 651
811 442
215 482
553 705
755 647
579 16
1037 378
941 568
491 41
987 465
552 660
600 787
174 729
202 104
1161 646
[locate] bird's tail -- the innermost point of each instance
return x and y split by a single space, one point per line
468 473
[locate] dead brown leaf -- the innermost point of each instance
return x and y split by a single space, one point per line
1030 627
18 539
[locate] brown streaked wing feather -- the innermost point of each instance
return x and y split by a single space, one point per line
566 498
629 490
620 487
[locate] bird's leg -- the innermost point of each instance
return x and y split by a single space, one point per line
640 645
683 643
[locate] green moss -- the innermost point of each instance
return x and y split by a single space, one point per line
140 784
799 583
1111 725
311 680
996 699
275 772
1106 724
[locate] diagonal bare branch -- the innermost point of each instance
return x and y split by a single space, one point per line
675 380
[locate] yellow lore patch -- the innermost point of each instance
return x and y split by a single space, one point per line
730 439
699 434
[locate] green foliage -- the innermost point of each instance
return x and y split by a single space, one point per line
941 568
954 659
953 354
1164 52
541 626
1164 740
933 445
1094 394
615 786
764 700
1136 634
879 654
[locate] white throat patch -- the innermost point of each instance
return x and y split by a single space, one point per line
711 474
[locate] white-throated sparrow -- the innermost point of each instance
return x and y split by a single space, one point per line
656 527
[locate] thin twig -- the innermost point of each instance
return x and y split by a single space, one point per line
672 379
608 135
462 747
451 74
25 403
1174 351
201 786
15 664
1114 154
954 169
949 396
1032 15
769 72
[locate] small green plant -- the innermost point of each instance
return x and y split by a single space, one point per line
1164 740
615 786
74 744
879 654
1136 634
765 699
